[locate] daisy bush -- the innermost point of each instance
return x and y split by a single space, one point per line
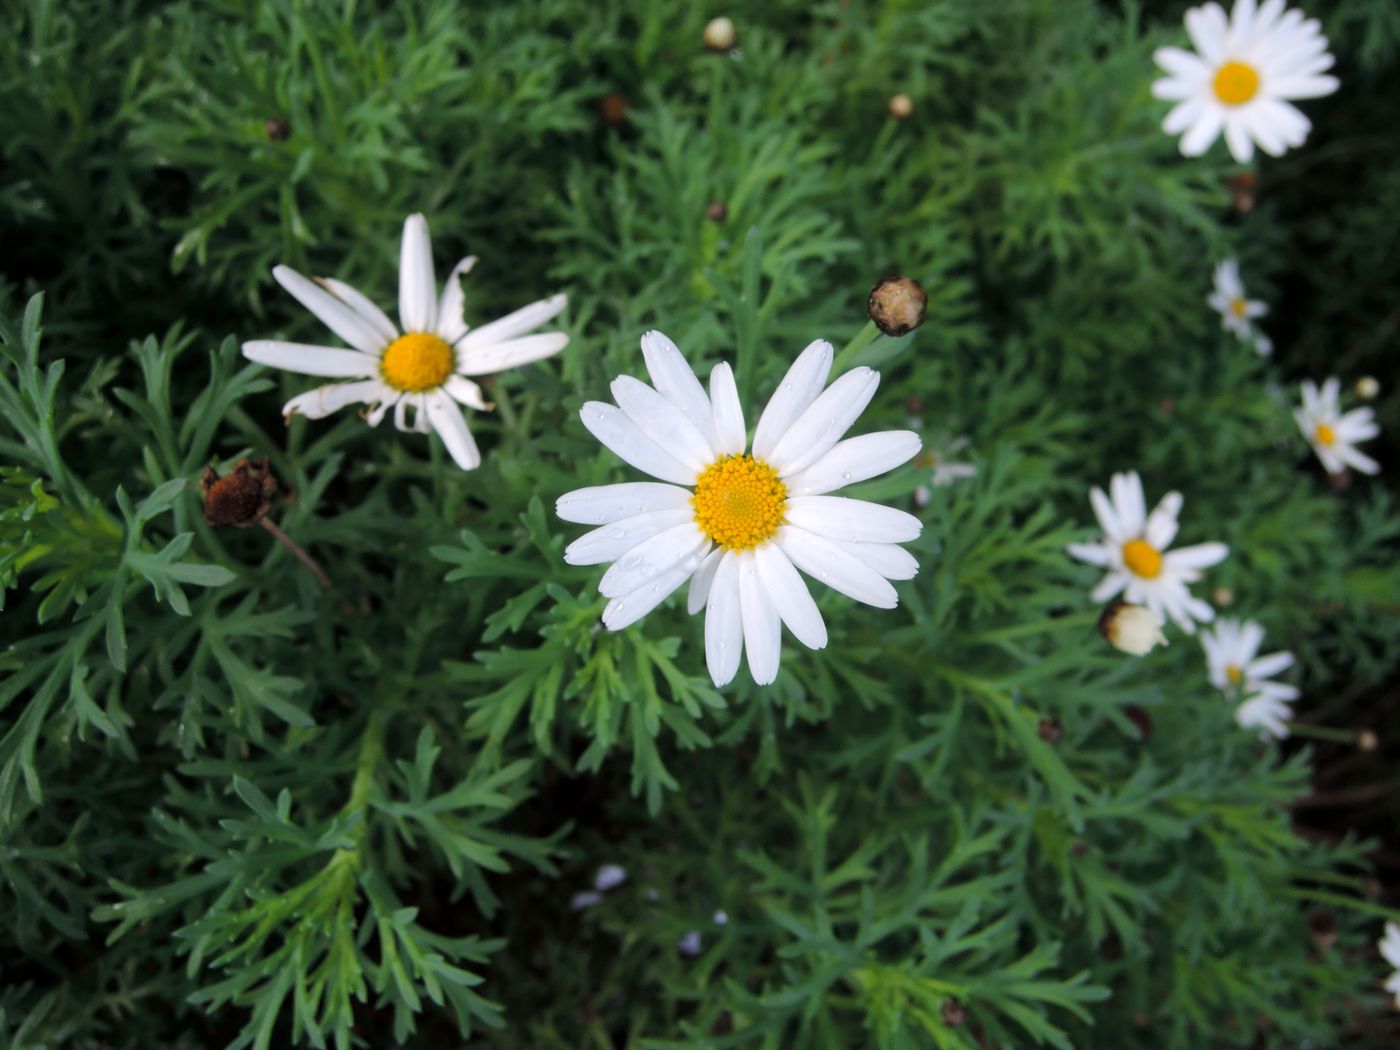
566 524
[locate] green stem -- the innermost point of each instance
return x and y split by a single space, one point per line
1328 733
864 338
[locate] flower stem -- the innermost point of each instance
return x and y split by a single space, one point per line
1328 733
863 338
301 555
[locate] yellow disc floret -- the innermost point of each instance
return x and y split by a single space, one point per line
1143 559
1238 307
1234 674
739 502
416 361
1236 83
1325 434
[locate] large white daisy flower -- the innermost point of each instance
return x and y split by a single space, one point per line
739 525
1236 312
1390 950
1334 436
1240 76
423 367
1235 667
1134 550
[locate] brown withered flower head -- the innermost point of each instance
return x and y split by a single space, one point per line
897 305
240 498
277 129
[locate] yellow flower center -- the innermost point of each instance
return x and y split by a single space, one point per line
739 502
1233 673
1238 307
1143 559
416 361
1236 83
1325 434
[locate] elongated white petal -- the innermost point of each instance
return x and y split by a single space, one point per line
368 310
447 420
417 286
824 421
1201 134
321 402
1108 517
451 325
627 609
789 596
825 561
652 557
855 459
526 319
1199 556
465 392
625 439
724 626
1162 522
730 436
1109 586
604 504
701 581
889 560
610 542
311 360
1093 553
762 625
487 360
334 313
798 389
842 518
1128 501
676 382
1269 665
659 419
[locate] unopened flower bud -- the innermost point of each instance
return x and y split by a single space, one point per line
1140 718
897 305
1367 740
1367 387
901 106
1322 927
1242 190
277 129
1132 628
717 211
240 498
953 1013
1223 597
612 110
720 35
1050 730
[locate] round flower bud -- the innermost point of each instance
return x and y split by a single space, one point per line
901 106
1050 730
612 110
1223 597
716 211
1367 740
897 305
953 1013
277 129
1367 387
240 498
720 35
1132 628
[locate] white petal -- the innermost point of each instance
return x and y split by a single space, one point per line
465 392
1269 665
629 608
890 561
702 580
1126 491
730 435
724 626
762 626
660 419
842 518
1184 114
612 541
321 402
603 504
824 421
420 416
447 420
1092 553
675 381
1237 137
1109 586
1305 86
526 319
1179 63
1108 517
652 557
855 459
485 360
417 286
625 440
1200 556
334 313
844 572
1205 131
1358 460
451 325
789 596
1162 522
310 360
1207 27
798 389
369 311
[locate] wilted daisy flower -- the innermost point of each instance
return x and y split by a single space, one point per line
738 525
1390 950
1134 550
1334 436
1240 76
942 471
1235 668
1237 312
422 368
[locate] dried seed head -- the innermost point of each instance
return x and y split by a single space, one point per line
897 305
901 106
1367 387
720 35
240 498
277 129
1242 191
717 211
1223 597
1132 628
1140 718
954 1013
1051 730
1322 927
1367 740
612 110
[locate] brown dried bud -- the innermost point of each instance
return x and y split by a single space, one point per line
240 498
277 129
1242 189
717 211
720 35
1050 730
612 110
1367 740
953 1012
1141 719
901 106
1322 927
897 305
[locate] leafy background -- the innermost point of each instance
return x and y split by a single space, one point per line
238 810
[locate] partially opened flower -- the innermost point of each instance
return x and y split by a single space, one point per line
1235 668
421 367
1390 951
1241 76
740 524
1237 312
1332 434
1134 550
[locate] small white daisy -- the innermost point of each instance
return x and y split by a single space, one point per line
1334 436
1390 951
425 366
942 471
1240 77
1235 667
1134 550
1236 312
739 525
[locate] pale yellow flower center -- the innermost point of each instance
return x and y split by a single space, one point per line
739 502
1325 434
1236 83
1234 674
415 362
1142 559
1238 307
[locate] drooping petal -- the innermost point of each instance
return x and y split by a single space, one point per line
417 286
842 518
789 596
465 392
321 402
610 425
451 325
447 420
798 389
604 504
334 313
310 360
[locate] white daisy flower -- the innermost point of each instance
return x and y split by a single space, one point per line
1134 550
1334 436
1240 77
1235 667
942 471
421 367
1390 950
1236 312
739 525
1268 714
